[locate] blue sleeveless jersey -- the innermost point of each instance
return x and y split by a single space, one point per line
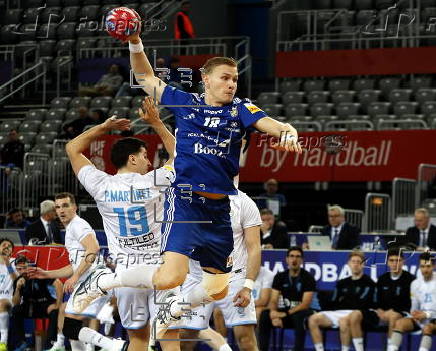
208 140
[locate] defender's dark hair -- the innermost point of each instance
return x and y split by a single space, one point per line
426 256
123 148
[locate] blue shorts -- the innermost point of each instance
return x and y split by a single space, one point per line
209 243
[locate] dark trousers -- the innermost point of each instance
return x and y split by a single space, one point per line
23 311
294 321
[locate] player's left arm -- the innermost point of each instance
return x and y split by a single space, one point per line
150 114
12 273
77 146
252 241
305 303
287 134
92 248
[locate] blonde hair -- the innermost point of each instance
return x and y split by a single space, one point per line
218 61
357 253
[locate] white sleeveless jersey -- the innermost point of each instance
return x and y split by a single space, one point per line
423 294
75 232
6 283
131 206
264 280
243 214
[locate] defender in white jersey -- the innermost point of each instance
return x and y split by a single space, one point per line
7 277
238 306
131 204
423 310
83 253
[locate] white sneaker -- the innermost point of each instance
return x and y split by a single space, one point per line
163 318
89 291
56 347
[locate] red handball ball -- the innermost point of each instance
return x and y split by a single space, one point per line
122 22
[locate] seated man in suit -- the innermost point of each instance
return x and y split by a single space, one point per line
274 235
45 229
343 235
423 234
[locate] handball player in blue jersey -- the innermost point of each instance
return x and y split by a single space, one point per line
209 133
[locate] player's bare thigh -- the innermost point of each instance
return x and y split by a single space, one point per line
172 272
138 339
5 305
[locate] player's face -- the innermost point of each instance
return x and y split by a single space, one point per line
141 161
335 218
21 269
356 265
65 210
6 248
395 264
421 221
221 84
426 268
294 260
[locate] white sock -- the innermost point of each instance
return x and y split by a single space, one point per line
77 345
136 277
389 341
319 347
194 298
93 337
426 342
358 344
4 326
393 348
225 347
345 348
60 340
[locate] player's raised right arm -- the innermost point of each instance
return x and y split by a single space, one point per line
143 70
77 146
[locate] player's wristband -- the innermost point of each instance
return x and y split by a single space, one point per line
136 48
10 269
428 314
249 284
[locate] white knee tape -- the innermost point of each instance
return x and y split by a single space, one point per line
215 283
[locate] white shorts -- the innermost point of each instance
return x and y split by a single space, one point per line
233 316
92 310
136 306
335 316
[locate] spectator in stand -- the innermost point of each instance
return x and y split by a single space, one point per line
12 153
343 235
108 84
423 234
392 300
183 27
34 298
296 286
274 235
45 230
271 199
76 127
16 219
353 293
97 116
